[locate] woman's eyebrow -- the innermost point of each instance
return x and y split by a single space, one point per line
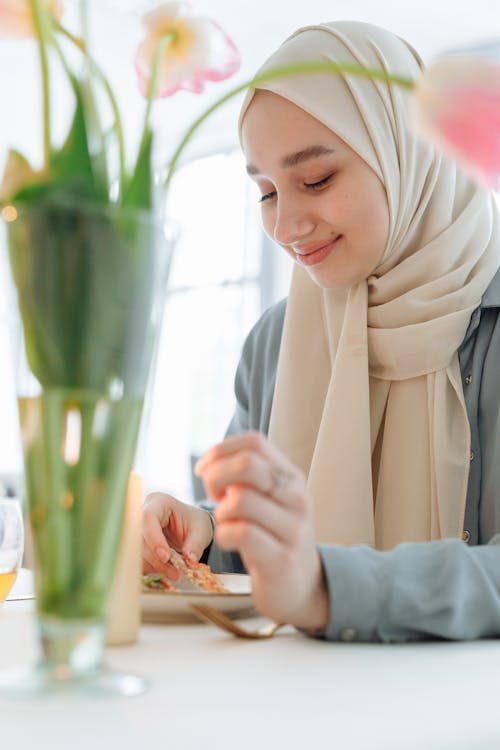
291 160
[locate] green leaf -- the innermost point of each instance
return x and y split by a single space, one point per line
95 137
153 580
137 191
73 163
73 171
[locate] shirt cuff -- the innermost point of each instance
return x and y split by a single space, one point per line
206 551
353 580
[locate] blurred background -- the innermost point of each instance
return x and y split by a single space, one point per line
226 272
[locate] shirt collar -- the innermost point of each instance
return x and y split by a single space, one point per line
491 297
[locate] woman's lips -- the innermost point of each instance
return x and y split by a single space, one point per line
316 256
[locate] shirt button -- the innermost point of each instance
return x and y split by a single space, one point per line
347 634
468 380
472 455
466 535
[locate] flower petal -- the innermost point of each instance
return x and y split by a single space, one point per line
16 20
201 51
18 173
456 106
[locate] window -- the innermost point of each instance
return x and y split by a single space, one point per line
221 280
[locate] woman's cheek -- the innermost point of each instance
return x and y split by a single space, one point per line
267 222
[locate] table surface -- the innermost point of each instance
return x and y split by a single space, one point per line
211 690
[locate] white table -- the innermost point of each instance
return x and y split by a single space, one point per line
210 691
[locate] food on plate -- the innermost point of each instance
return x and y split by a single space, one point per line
157 581
197 574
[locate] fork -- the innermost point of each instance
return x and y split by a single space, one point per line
222 621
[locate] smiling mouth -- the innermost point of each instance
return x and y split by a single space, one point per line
318 255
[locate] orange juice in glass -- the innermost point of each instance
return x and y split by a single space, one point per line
11 544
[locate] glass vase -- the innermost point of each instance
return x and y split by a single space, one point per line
90 286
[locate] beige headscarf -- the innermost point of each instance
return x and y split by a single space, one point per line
369 399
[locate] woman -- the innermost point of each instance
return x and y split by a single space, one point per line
366 514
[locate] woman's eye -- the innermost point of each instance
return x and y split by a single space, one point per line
267 196
312 185
320 183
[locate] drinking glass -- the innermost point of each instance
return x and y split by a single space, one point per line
11 544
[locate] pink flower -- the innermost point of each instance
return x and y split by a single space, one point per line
456 106
200 51
16 20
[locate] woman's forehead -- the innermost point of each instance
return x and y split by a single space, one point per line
270 114
278 132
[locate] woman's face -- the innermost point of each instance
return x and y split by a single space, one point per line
320 201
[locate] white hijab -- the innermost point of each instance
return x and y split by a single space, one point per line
368 399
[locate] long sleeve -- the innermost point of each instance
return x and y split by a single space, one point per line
442 589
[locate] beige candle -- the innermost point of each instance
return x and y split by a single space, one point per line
124 613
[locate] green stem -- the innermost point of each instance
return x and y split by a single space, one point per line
76 40
153 83
40 22
282 72
80 43
65 65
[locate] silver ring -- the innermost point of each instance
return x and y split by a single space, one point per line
280 481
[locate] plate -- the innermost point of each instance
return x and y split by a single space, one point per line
175 606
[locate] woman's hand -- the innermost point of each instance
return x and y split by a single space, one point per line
168 523
265 514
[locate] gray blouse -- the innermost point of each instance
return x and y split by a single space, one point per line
448 588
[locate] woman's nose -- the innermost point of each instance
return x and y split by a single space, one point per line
293 223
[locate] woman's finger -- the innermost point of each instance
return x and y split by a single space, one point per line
155 564
244 504
147 567
167 570
153 536
259 550
247 441
249 468
199 535
157 512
